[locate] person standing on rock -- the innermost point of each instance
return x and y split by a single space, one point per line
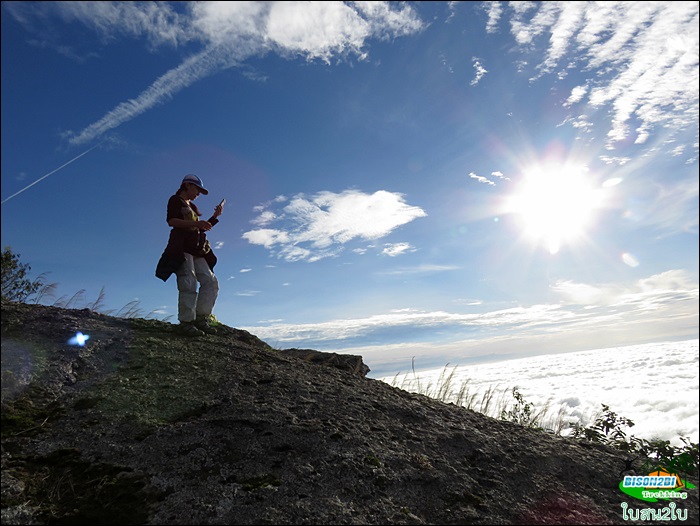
189 255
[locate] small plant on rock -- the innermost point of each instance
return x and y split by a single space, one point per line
521 413
607 429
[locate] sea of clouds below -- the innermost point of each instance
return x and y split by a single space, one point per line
654 385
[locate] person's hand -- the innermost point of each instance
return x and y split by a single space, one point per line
204 225
218 210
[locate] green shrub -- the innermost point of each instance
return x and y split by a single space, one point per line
607 429
16 286
655 454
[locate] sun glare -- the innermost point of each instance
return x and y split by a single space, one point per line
554 205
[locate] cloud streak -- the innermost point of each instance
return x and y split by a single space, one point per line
193 69
657 306
486 180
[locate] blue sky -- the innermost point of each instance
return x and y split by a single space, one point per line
438 181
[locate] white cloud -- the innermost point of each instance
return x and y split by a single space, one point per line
396 249
646 54
420 269
348 329
266 237
670 280
265 218
658 291
481 179
674 206
579 293
247 293
486 180
479 70
158 22
222 23
577 95
494 11
316 29
390 19
615 160
317 227
468 301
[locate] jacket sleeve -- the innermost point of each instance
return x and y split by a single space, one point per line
167 265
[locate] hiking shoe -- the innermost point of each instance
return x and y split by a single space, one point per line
188 329
204 326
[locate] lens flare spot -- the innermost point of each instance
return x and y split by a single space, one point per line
629 260
79 339
613 181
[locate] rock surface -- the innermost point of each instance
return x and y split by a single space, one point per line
144 426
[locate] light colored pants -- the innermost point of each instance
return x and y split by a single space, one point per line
193 305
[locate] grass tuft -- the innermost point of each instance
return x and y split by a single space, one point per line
605 427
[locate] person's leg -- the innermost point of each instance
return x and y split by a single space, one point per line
187 289
208 289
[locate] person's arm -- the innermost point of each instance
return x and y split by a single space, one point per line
175 219
184 223
218 210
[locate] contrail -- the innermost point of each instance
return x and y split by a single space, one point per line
164 88
50 173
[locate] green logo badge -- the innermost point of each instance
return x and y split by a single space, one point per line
655 486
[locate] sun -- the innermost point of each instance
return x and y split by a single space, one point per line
554 204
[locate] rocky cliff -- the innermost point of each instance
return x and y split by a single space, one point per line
143 426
